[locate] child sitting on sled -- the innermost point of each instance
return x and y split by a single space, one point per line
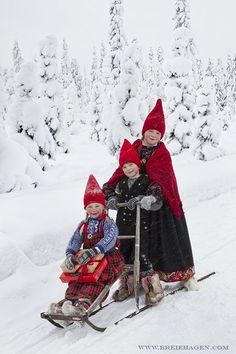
97 234
133 188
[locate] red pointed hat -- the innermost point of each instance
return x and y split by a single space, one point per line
93 192
128 154
155 119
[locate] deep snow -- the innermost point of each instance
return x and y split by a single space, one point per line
36 225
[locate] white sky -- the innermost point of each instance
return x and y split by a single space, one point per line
84 23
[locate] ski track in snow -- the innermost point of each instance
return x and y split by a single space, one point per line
201 318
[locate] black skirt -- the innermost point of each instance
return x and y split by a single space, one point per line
169 244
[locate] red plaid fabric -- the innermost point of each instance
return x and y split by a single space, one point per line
110 274
91 291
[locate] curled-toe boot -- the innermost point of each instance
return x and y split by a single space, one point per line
153 289
126 287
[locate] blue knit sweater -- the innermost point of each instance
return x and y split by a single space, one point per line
108 241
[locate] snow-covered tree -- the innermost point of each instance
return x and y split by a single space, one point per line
3 101
199 72
207 128
16 57
95 105
234 77
66 76
220 86
184 43
17 169
77 79
86 92
151 80
182 15
27 118
117 41
102 59
210 70
160 73
106 94
73 108
129 107
94 72
52 92
96 111
229 109
179 104
153 77
180 84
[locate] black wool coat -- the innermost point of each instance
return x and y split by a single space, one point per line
126 219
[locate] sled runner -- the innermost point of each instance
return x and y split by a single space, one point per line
52 318
91 312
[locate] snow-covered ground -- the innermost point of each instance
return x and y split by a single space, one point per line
35 226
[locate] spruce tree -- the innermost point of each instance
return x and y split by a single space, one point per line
66 77
3 101
160 73
207 128
117 41
220 86
77 79
210 70
53 92
229 109
180 85
16 57
95 105
27 118
129 106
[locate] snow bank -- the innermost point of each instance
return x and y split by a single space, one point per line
17 169
11 257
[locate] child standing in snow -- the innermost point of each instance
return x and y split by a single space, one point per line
97 234
131 189
169 244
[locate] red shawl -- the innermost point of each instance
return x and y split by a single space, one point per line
160 171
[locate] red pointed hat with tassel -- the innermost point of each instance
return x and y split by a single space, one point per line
93 192
128 154
155 119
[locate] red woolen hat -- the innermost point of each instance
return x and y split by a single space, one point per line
93 192
155 119
128 154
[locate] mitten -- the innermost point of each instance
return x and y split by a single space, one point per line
131 204
147 201
69 261
157 205
85 256
112 203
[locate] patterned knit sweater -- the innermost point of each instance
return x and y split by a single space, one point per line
110 231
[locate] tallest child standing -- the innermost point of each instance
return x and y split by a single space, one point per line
169 244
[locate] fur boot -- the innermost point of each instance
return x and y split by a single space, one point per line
78 308
191 284
56 309
126 287
153 289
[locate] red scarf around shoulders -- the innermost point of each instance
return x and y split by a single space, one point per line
160 170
